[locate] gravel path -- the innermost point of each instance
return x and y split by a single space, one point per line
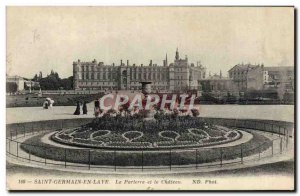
268 112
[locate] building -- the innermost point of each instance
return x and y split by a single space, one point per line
29 84
176 76
19 81
259 80
259 77
247 76
218 85
277 76
280 79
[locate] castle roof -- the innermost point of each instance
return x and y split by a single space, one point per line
244 67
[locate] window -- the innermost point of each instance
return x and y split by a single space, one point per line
104 76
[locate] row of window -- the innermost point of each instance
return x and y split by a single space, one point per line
149 76
97 76
113 76
93 68
97 83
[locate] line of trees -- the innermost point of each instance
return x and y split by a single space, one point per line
54 82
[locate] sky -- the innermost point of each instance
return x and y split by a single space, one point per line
45 38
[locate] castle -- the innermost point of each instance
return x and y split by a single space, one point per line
179 75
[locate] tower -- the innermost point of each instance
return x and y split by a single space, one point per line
166 61
177 55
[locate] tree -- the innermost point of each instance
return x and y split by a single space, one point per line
53 81
67 83
40 75
126 108
11 87
49 83
175 114
35 78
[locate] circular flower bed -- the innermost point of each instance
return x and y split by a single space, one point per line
135 133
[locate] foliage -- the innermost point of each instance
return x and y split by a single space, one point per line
54 82
195 112
11 87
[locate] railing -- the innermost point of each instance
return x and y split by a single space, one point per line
167 159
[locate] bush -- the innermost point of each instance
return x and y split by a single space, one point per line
232 134
132 135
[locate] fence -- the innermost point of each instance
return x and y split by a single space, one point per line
170 159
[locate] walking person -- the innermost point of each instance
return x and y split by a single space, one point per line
77 111
84 108
97 108
45 106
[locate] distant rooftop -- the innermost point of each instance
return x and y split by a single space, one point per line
216 77
14 77
245 66
280 68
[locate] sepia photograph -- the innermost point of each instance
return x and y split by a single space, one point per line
150 98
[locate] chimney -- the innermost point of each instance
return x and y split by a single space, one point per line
127 62
121 62
150 63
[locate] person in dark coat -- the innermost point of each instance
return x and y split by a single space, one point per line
97 108
77 111
46 105
84 108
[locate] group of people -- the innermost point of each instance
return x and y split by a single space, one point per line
48 103
84 108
